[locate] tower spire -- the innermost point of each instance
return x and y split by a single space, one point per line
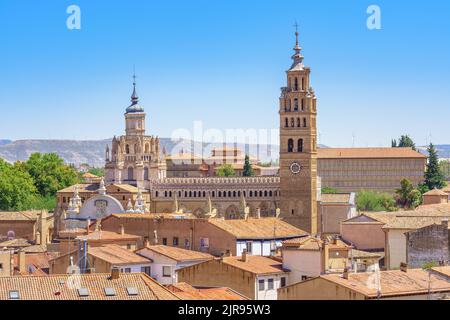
134 96
297 57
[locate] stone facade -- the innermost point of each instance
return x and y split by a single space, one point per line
298 147
428 244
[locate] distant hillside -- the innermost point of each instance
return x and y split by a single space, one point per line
92 152
442 149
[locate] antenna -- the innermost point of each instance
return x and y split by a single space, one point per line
353 139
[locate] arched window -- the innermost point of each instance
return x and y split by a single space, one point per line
298 122
130 173
290 145
229 194
260 193
204 194
127 149
300 145
156 194
292 122
288 104
286 122
295 104
265 193
170 194
270 193
147 148
251 193
190 194
303 83
304 122
296 84
214 194
179 194
220 194
146 173
185 194
244 193
303 104
165 194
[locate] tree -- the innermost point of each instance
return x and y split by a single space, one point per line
49 173
99 172
225 170
434 177
374 201
445 168
17 190
248 170
328 190
405 141
407 196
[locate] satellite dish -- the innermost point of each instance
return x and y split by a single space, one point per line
11 235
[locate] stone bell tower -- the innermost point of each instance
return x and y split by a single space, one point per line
298 147
134 158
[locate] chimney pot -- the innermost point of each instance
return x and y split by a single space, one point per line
21 261
345 274
404 267
244 257
115 273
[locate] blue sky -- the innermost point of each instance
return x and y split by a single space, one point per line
223 62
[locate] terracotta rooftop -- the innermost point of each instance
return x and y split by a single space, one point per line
409 222
258 265
263 228
15 243
107 235
187 292
19 215
36 263
358 254
177 254
445 271
117 255
349 153
126 187
312 243
89 175
153 215
435 192
129 286
393 283
343 198
82 187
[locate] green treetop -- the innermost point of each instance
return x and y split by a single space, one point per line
226 170
248 170
434 177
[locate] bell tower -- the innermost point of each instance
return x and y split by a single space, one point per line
298 146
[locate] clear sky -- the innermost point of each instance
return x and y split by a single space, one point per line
223 62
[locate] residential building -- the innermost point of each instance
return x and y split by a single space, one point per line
255 277
165 260
435 196
35 226
310 257
378 169
95 286
215 236
333 209
410 284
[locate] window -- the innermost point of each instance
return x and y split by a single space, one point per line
1 266
83 292
249 246
165 241
128 246
300 145
296 84
147 270
130 173
110 292
146 173
14 295
204 242
187 243
292 122
175 241
303 83
261 285
303 104
290 145
127 149
270 284
132 291
166 271
298 122
126 270
304 278
295 104
283 282
304 122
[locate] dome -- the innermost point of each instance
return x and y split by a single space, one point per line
134 108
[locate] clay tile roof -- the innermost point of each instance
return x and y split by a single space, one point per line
335 198
263 228
36 263
82 187
359 254
177 254
187 292
305 243
445 271
393 282
89 175
126 187
116 255
349 153
435 192
15 243
258 265
18 215
107 235
56 287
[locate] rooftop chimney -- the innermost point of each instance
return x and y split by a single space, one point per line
88 223
122 230
21 262
115 273
146 243
403 267
244 257
345 274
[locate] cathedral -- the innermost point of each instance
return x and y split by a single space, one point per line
137 161
134 158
